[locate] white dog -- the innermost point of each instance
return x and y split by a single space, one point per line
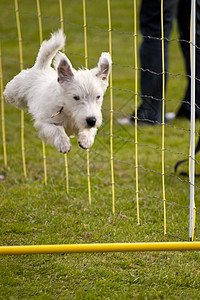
62 101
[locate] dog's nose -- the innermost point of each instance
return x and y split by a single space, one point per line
91 121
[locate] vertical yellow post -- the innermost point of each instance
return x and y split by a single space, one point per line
136 105
163 115
41 39
21 68
63 49
111 111
66 173
61 19
39 21
3 113
85 34
86 65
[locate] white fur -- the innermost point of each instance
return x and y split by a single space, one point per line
44 91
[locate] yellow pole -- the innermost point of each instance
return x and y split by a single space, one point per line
86 248
163 116
41 39
39 20
136 105
44 162
66 173
21 68
63 49
61 19
86 65
111 112
85 34
3 114
88 177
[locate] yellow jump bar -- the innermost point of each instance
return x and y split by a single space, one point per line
85 248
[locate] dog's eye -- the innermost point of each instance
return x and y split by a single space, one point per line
76 98
98 97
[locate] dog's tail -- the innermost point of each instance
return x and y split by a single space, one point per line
49 49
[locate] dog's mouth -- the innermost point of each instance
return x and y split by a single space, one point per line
58 112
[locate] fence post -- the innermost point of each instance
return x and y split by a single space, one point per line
192 121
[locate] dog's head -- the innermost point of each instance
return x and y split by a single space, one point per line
83 90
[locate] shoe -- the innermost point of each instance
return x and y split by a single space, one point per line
131 122
125 121
170 116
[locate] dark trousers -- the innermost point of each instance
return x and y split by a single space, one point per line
151 54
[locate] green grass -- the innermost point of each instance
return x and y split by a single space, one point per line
31 213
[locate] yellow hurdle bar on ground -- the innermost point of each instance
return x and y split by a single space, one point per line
92 248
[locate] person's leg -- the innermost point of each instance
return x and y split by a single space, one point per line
183 16
151 55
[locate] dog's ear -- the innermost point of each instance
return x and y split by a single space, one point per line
65 72
104 66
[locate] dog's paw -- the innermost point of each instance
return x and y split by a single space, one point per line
85 141
63 144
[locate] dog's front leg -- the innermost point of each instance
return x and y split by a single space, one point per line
86 138
54 135
62 141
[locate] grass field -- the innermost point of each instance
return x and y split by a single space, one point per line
32 213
